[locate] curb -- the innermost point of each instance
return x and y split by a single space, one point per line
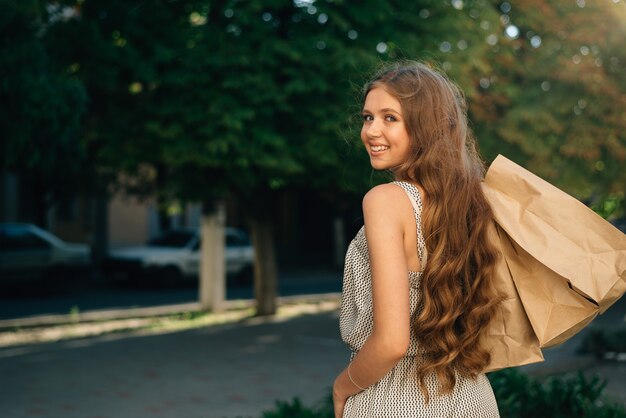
161 319
154 311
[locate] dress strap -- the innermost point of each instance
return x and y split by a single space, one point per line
416 200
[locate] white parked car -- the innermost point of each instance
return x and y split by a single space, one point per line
174 257
29 253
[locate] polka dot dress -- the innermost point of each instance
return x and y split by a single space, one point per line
397 394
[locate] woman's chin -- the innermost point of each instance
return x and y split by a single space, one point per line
379 166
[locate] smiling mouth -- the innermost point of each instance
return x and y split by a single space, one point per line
378 148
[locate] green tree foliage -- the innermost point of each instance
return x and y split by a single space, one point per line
199 99
552 92
256 96
196 100
41 111
244 96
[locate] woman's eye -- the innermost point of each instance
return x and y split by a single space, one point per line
390 118
367 118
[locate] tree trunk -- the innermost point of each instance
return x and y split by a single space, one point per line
212 260
265 269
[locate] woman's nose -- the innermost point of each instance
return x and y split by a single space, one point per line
373 129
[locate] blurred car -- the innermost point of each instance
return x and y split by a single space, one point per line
29 254
174 258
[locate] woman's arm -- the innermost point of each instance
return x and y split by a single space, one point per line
384 210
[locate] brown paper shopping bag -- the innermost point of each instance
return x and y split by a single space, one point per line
566 263
510 336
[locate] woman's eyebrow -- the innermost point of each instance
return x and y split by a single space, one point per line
385 110
388 109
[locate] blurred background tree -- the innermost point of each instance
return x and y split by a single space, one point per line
40 121
202 100
553 93
210 100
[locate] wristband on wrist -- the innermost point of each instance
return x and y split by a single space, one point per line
351 379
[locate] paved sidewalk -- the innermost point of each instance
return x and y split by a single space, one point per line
233 370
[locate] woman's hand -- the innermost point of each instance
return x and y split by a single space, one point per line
339 400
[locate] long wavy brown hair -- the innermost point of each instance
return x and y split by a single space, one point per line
458 294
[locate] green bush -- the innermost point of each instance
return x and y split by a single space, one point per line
562 396
598 342
295 409
518 396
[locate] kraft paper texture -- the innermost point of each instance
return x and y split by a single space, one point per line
561 265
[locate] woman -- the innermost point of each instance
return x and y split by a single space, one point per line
414 325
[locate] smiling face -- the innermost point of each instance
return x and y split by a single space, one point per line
383 133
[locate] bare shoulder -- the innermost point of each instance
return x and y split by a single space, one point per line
383 194
386 198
